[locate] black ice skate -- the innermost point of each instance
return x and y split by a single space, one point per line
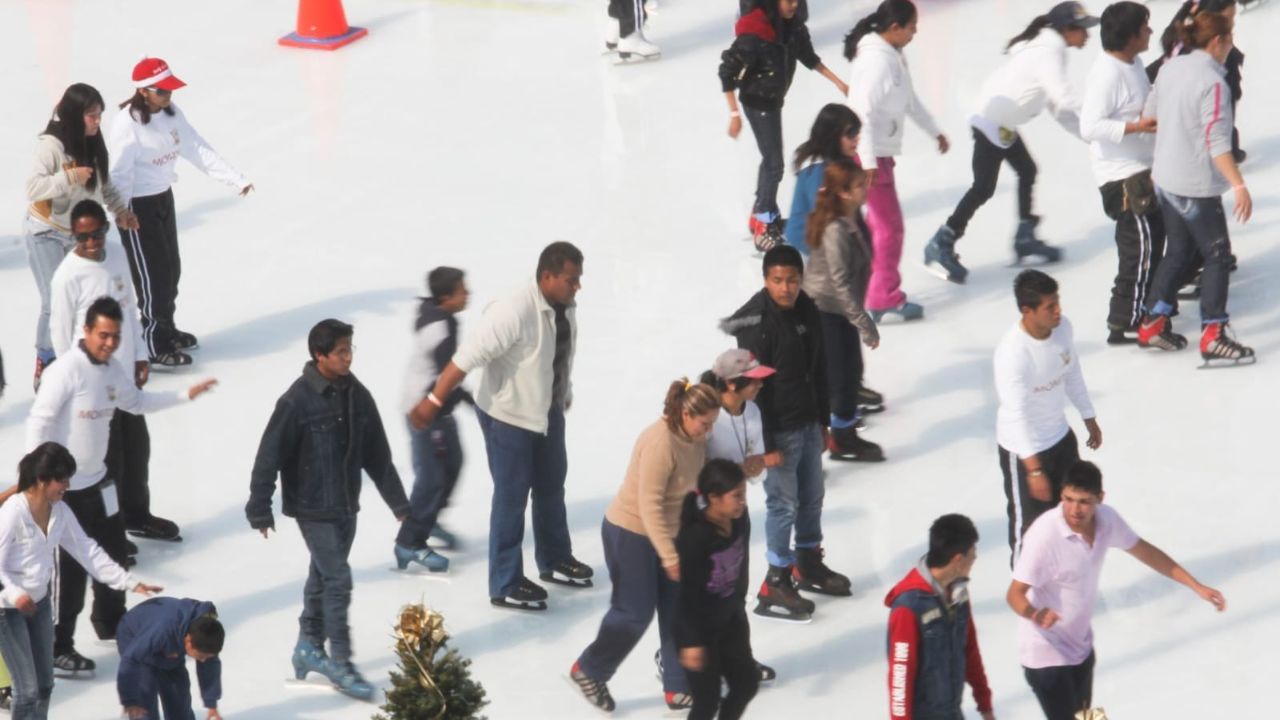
527 596
1219 349
185 341
595 691
870 402
940 256
778 598
844 444
569 572
71 665
1027 245
155 528
813 575
170 360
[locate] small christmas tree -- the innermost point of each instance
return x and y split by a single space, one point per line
427 687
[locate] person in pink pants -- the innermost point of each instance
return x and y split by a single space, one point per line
880 92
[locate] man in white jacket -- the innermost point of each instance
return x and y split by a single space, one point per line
77 399
525 344
1122 143
1033 79
96 268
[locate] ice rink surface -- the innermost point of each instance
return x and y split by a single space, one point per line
473 132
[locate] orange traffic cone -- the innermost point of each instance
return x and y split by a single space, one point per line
322 25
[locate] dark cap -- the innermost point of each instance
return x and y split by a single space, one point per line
1071 14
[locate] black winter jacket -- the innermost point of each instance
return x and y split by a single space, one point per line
790 341
319 439
762 60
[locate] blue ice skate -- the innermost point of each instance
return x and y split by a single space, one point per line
426 557
309 658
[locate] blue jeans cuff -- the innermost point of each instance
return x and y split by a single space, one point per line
777 560
1161 308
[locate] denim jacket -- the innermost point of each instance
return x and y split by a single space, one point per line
320 437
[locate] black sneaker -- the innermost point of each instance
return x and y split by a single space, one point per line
185 341
72 665
170 360
154 528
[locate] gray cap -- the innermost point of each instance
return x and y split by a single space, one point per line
1071 14
738 363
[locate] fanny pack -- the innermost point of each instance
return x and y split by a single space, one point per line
1139 199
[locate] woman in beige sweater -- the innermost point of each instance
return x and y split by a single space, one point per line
639 534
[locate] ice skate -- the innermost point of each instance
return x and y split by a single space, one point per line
870 402
634 48
778 598
1121 335
155 528
767 236
1219 349
678 700
610 35
448 541
813 575
71 665
426 557
844 444
185 341
767 674
170 360
1027 245
569 572
1157 332
348 681
527 596
940 256
595 691
309 658
906 312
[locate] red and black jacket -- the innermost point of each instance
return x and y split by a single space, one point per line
762 60
933 651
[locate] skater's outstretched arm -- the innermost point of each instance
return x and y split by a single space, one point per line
1156 559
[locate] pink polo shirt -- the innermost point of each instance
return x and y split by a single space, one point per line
1062 570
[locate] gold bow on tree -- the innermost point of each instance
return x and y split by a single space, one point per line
419 635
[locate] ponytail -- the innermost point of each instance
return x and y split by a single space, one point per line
686 398
689 510
717 477
888 14
1202 29
1032 30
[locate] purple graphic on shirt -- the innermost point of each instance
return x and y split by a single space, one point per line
726 566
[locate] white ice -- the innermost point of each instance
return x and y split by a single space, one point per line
473 132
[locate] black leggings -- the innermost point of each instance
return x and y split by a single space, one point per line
728 656
987 157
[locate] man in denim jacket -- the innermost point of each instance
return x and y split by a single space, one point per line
324 431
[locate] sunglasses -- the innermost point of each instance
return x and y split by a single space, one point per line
851 133
99 234
160 91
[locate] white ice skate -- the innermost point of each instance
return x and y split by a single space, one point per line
634 48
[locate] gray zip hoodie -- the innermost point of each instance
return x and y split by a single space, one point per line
1192 104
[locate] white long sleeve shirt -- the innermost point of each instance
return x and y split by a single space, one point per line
28 556
1115 94
144 157
1034 380
881 93
737 437
74 406
515 343
77 283
1032 79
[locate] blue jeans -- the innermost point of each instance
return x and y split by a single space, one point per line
639 586
1191 225
437 462
171 687
46 247
327 594
766 125
524 464
27 646
794 492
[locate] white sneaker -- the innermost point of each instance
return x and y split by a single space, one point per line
610 33
635 44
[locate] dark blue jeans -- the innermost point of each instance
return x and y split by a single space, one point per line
327 594
794 493
640 586
1062 691
170 687
766 125
525 464
1191 225
437 462
844 364
27 646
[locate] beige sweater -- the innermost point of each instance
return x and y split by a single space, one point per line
663 470
52 192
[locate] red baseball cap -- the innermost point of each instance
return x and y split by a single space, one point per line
154 72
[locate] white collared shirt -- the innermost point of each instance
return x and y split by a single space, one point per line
1062 569
28 555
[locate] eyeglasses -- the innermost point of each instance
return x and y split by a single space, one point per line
161 91
99 234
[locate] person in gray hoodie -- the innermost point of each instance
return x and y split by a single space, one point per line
837 276
1193 166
